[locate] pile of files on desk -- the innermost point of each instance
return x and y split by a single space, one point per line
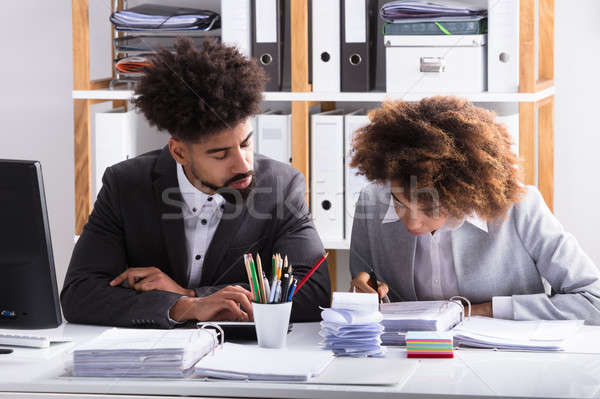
250 362
351 327
143 353
537 335
400 317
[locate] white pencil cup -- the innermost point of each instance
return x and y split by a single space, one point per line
271 321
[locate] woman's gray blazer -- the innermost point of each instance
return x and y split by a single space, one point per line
527 255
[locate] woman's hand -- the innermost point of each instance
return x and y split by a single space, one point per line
361 284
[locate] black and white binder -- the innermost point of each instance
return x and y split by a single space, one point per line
271 41
359 24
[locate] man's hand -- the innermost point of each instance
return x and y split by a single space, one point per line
150 279
482 309
229 303
361 283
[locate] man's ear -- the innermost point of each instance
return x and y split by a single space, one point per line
179 151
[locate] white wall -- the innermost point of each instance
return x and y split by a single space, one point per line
577 138
36 111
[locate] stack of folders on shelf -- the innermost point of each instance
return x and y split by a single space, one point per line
536 335
352 326
429 344
152 17
434 47
132 52
279 288
401 317
246 362
143 353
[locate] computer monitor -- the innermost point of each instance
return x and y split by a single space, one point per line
28 290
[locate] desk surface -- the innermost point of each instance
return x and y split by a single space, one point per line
472 373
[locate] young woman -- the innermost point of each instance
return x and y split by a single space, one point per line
448 215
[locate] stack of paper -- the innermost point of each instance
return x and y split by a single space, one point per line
400 317
429 344
148 17
352 326
406 10
143 353
539 335
249 362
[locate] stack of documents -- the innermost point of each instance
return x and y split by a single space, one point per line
249 362
407 10
148 17
143 353
400 317
147 44
538 335
417 18
352 326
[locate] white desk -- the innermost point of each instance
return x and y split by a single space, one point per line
34 373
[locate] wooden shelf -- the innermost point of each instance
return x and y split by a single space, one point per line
485 97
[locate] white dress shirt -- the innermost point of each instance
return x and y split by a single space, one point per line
201 216
435 277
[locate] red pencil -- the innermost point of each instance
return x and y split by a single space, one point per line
314 269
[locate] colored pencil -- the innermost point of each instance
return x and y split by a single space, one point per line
310 273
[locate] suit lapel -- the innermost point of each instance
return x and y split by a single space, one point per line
213 271
170 205
467 244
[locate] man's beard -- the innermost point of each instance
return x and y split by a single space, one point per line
233 195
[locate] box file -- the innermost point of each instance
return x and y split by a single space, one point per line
327 174
503 48
235 25
115 141
326 45
353 182
358 44
440 64
271 41
274 135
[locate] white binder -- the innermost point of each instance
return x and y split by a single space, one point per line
235 25
503 46
354 183
115 141
274 135
327 174
326 45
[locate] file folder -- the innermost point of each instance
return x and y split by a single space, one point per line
326 45
274 135
235 25
503 46
271 41
114 141
354 183
358 44
327 174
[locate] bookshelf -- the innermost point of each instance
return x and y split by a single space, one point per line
535 99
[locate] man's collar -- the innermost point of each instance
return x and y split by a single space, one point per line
193 197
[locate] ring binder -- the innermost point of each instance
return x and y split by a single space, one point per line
454 298
221 335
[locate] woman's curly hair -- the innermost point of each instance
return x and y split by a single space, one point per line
445 143
193 93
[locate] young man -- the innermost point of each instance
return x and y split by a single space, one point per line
165 241
450 216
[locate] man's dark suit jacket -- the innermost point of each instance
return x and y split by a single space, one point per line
137 222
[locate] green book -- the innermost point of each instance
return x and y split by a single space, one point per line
476 26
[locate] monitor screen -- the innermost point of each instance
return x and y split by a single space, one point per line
28 289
